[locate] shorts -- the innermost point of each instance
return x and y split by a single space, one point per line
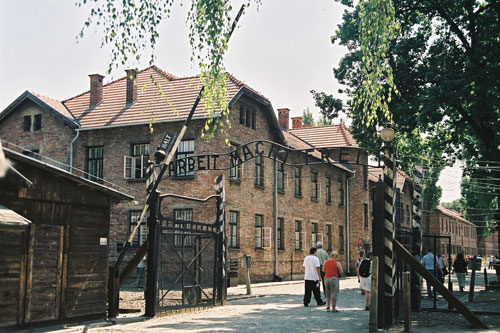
365 283
332 288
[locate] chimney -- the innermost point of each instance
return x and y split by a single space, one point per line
284 118
131 86
296 122
95 89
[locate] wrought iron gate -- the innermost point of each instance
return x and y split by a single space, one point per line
191 259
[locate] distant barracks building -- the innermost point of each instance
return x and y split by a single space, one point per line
105 132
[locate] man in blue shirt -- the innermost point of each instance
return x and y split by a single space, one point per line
431 264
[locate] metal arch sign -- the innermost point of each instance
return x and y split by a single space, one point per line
267 149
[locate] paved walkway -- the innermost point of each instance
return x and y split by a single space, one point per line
273 307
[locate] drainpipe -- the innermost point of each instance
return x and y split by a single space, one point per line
72 150
275 199
347 222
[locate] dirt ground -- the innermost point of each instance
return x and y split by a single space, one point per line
277 307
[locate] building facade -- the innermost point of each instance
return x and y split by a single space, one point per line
462 233
275 211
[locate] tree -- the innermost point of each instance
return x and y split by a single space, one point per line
324 121
307 117
445 63
133 27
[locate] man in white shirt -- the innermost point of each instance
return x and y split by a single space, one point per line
312 278
430 261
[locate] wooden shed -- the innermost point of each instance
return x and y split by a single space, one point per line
54 248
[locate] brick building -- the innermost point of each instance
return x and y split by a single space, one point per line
488 246
404 196
447 222
106 133
342 146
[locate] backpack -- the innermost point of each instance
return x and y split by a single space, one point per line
364 268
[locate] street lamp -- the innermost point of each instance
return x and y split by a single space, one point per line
387 134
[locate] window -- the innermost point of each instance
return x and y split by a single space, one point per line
298 235
298 182
234 218
365 216
235 163
328 244
314 234
372 199
328 190
281 233
141 235
32 123
135 165
247 116
341 239
341 191
365 176
182 215
259 231
242 115
95 163
314 185
281 176
408 214
185 150
259 170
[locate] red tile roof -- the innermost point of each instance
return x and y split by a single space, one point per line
297 143
453 213
401 177
160 95
56 105
326 136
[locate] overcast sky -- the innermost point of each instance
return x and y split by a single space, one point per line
283 51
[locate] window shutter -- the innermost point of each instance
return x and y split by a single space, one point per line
127 167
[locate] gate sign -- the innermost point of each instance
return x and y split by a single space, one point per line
165 147
267 149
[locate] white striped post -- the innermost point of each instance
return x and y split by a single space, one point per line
416 249
221 221
389 232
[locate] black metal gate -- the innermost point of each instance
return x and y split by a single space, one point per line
191 259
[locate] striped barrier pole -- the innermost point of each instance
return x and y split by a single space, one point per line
416 249
221 221
389 261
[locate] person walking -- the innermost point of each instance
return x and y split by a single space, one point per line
322 256
365 281
431 264
442 272
312 278
333 271
460 269
358 261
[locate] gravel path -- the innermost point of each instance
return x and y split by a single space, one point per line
277 308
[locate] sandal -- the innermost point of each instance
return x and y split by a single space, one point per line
335 310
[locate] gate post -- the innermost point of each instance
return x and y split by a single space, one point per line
378 241
418 192
151 293
389 231
221 221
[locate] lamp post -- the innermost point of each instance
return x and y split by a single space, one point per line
389 155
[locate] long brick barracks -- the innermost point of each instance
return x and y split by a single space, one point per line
286 189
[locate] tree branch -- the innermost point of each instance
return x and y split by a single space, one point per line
479 131
454 27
